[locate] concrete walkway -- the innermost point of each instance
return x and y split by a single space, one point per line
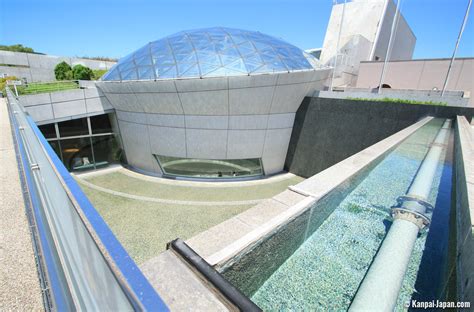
19 284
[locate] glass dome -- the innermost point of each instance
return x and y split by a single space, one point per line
211 52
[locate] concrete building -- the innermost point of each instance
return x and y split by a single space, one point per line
39 67
315 52
423 74
214 102
364 36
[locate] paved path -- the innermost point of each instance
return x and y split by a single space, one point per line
19 285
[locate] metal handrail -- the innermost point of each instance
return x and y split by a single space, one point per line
86 266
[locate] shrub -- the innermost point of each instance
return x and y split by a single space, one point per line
98 73
80 72
3 83
63 71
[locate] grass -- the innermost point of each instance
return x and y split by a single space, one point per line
123 183
401 101
36 88
145 227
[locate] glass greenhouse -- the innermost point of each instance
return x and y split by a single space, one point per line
211 52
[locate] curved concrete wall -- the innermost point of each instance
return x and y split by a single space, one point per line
212 118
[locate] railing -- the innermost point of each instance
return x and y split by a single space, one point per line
85 266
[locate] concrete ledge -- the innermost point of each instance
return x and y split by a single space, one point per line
238 235
65 105
452 98
464 173
178 286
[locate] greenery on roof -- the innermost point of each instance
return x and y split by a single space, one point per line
402 101
46 87
17 48
100 58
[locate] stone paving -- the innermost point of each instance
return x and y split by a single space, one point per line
19 284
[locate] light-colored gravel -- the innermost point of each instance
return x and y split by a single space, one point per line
19 284
145 214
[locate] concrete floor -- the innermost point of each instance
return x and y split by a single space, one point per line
19 284
146 212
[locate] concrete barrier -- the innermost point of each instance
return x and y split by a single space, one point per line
452 98
464 198
58 106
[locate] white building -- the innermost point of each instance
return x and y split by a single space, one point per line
364 36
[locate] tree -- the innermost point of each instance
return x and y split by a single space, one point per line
80 72
63 71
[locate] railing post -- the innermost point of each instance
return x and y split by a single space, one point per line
390 43
456 47
337 46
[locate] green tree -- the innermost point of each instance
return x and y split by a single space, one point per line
80 72
63 71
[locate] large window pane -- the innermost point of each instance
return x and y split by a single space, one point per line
210 168
106 150
55 145
100 124
77 154
48 131
73 127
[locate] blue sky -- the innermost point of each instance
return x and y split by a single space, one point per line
115 28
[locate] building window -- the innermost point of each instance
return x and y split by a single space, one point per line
210 168
49 131
55 145
100 124
77 154
73 127
106 150
81 147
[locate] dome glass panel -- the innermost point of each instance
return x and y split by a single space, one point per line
211 52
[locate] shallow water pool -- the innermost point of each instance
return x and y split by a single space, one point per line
319 260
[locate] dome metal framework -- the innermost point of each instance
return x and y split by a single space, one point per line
211 52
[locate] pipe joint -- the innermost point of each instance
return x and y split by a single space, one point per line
413 209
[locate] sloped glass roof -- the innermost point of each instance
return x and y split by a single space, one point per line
211 52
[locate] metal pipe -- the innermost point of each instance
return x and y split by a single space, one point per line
382 283
456 47
337 46
396 17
